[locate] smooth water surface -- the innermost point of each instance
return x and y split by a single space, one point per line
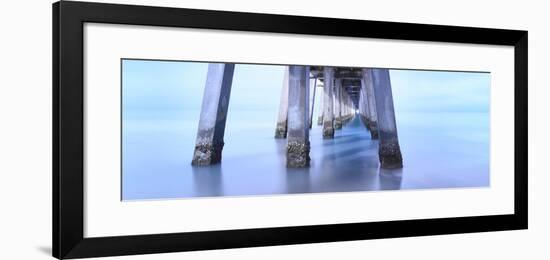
157 158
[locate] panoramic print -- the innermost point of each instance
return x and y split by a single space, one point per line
199 129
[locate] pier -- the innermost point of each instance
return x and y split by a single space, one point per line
363 94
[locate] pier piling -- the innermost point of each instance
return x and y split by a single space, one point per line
209 142
328 113
281 129
338 104
389 151
298 113
372 119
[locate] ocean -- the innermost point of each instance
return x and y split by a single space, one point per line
440 151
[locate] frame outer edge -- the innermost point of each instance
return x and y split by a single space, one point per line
68 131
55 130
521 130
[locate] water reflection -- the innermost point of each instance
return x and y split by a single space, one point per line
207 181
298 181
390 179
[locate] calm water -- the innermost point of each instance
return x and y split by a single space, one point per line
440 150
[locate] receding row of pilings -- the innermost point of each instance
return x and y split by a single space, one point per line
339 106
346 91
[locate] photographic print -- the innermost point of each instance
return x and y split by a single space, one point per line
199 129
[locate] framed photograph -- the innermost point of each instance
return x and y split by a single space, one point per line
179 129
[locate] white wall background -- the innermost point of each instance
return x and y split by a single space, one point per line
25 133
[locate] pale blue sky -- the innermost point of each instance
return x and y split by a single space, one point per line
440 91
171 85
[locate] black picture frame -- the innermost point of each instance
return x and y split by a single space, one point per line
68 157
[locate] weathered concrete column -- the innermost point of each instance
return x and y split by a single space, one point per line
348 106
321 109
345 102
281 129
389 151
353 108
367 110
312 103
215 100
338 104
367 83
360 105
298 112
328 113
363 107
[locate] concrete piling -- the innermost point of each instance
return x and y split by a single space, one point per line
312 103
321 109
389 151
209 142
363 108
343 107
281 129
338 104
372 119
346 111
349 108
298 112
328 113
